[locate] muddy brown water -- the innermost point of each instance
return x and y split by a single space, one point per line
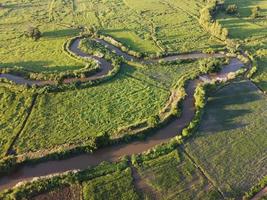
113 153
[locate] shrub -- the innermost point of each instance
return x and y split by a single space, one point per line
255 12
33 32
209 65
209 24
7 164
153 121
231 9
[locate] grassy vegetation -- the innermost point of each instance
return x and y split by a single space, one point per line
66 193
142 27
14 105
174 176
249 32
118 185
230 144
76 116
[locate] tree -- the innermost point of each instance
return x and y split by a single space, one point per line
255 12
33 32
231 9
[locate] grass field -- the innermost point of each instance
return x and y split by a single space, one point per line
174 176
75 116
230 144
143 28
118 185
14 105
250 33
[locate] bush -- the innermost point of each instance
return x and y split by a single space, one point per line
7 164
210 65
207 22
231 9
33 32
255 12
153 121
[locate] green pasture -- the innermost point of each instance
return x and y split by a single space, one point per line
230 145
174 176
147 26
14 106
76 116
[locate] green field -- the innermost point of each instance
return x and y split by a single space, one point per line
142 28
14 105
118 185
250 33
230 144
74 117
174 176
222 158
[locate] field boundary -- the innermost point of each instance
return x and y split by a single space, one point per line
10 150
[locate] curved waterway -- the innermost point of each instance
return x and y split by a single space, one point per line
105 66
113 153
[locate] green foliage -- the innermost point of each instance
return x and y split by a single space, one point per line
41 185
33 32
153 121
210 65
118 185
255 12
226 131
256 188
108 108
213 27
14 105
7 164
232 9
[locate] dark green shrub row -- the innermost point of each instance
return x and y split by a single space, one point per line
209 65
200 101
255 189
206 20
118 44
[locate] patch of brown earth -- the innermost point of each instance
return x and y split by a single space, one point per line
67 193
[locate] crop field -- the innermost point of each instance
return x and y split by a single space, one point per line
67 193
14 105
139 84
250 32
76 116
118 185
118 18
174 176
230 144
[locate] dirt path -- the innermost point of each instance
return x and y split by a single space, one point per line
261 194
113 153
